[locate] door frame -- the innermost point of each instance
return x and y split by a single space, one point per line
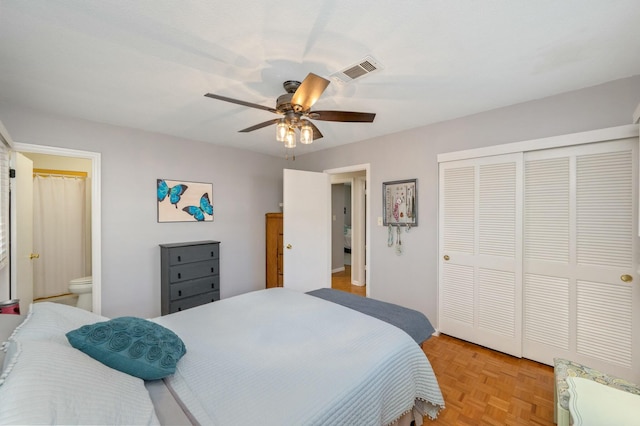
345 183
96 212
367 214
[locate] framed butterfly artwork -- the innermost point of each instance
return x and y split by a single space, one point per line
180 201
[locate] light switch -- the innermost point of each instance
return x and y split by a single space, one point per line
379 220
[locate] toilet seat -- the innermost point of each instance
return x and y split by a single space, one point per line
80 288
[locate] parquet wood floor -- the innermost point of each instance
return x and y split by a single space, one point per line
342 281
481 386
484 387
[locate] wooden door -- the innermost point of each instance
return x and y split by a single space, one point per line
274 248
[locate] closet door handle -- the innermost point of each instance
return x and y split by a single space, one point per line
289 246
626 278
446 257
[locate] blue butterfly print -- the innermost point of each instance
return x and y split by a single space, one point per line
174 192
198 212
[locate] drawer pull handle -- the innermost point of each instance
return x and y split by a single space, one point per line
213 285
179 309
211 254
179 292
179 275
179 258
211 270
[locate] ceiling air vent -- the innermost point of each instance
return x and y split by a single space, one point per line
364 67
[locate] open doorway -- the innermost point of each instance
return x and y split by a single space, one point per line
341 237
61 226
56 161
350 229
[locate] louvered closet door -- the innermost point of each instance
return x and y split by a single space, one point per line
480 269
580 245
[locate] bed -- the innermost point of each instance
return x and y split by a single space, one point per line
269 357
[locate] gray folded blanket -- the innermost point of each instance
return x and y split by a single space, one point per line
414 323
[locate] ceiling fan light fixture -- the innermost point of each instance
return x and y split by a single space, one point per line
281 130
295 108
306 133
290 139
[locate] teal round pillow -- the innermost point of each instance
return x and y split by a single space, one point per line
132 345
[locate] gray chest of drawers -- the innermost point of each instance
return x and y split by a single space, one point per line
190 275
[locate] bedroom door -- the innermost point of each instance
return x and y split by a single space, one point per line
307 230
22 246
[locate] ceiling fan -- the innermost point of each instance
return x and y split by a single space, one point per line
295 106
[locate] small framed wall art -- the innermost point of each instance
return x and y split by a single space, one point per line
400 202
180 201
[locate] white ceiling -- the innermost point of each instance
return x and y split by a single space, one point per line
147 64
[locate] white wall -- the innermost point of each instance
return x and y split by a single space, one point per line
411 279
245 186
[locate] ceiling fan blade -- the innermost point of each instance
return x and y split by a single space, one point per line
316 132
259 126
239 102
308 92
346 116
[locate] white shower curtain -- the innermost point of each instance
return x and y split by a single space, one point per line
58 233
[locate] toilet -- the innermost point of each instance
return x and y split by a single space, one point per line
83 288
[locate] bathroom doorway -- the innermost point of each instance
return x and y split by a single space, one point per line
61 225
29 268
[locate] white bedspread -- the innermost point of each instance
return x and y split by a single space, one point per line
279 357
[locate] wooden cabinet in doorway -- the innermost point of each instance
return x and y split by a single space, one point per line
274 249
